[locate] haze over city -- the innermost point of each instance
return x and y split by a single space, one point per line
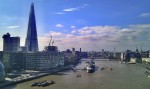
86 24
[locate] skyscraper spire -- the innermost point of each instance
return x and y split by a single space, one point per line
31 39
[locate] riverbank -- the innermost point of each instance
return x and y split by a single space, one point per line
21 79
123 76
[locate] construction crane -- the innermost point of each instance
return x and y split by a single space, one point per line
50 41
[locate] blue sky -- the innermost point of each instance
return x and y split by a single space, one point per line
89 24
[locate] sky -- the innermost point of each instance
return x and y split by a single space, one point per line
92 25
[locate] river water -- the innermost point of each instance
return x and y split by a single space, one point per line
123 76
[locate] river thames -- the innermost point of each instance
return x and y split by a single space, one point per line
122 76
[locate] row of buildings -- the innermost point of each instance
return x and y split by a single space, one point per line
127 56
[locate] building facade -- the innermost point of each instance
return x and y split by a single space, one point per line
32 60
14 60
44 60
10 43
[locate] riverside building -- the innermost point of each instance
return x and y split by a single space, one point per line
44 60
10 44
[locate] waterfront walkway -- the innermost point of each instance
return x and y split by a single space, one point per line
28 76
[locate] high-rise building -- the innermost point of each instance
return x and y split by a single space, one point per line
11 44
31 39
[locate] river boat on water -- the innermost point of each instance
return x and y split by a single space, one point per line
42 83
90 67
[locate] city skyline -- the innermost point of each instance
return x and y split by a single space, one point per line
86 24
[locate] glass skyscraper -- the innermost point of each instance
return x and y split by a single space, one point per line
31 39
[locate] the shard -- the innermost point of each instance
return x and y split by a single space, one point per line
31 39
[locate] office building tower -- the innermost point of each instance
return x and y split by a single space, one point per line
10 44
31 39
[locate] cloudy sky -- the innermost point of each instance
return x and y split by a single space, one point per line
86 24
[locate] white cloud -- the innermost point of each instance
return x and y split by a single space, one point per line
73 27
98 30
59 25
140 26
70 9
107 37
60 13
145 14
99 37
74 31
12 27
75 8
82 32
54 34
84 6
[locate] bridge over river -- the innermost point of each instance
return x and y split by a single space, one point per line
122 76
